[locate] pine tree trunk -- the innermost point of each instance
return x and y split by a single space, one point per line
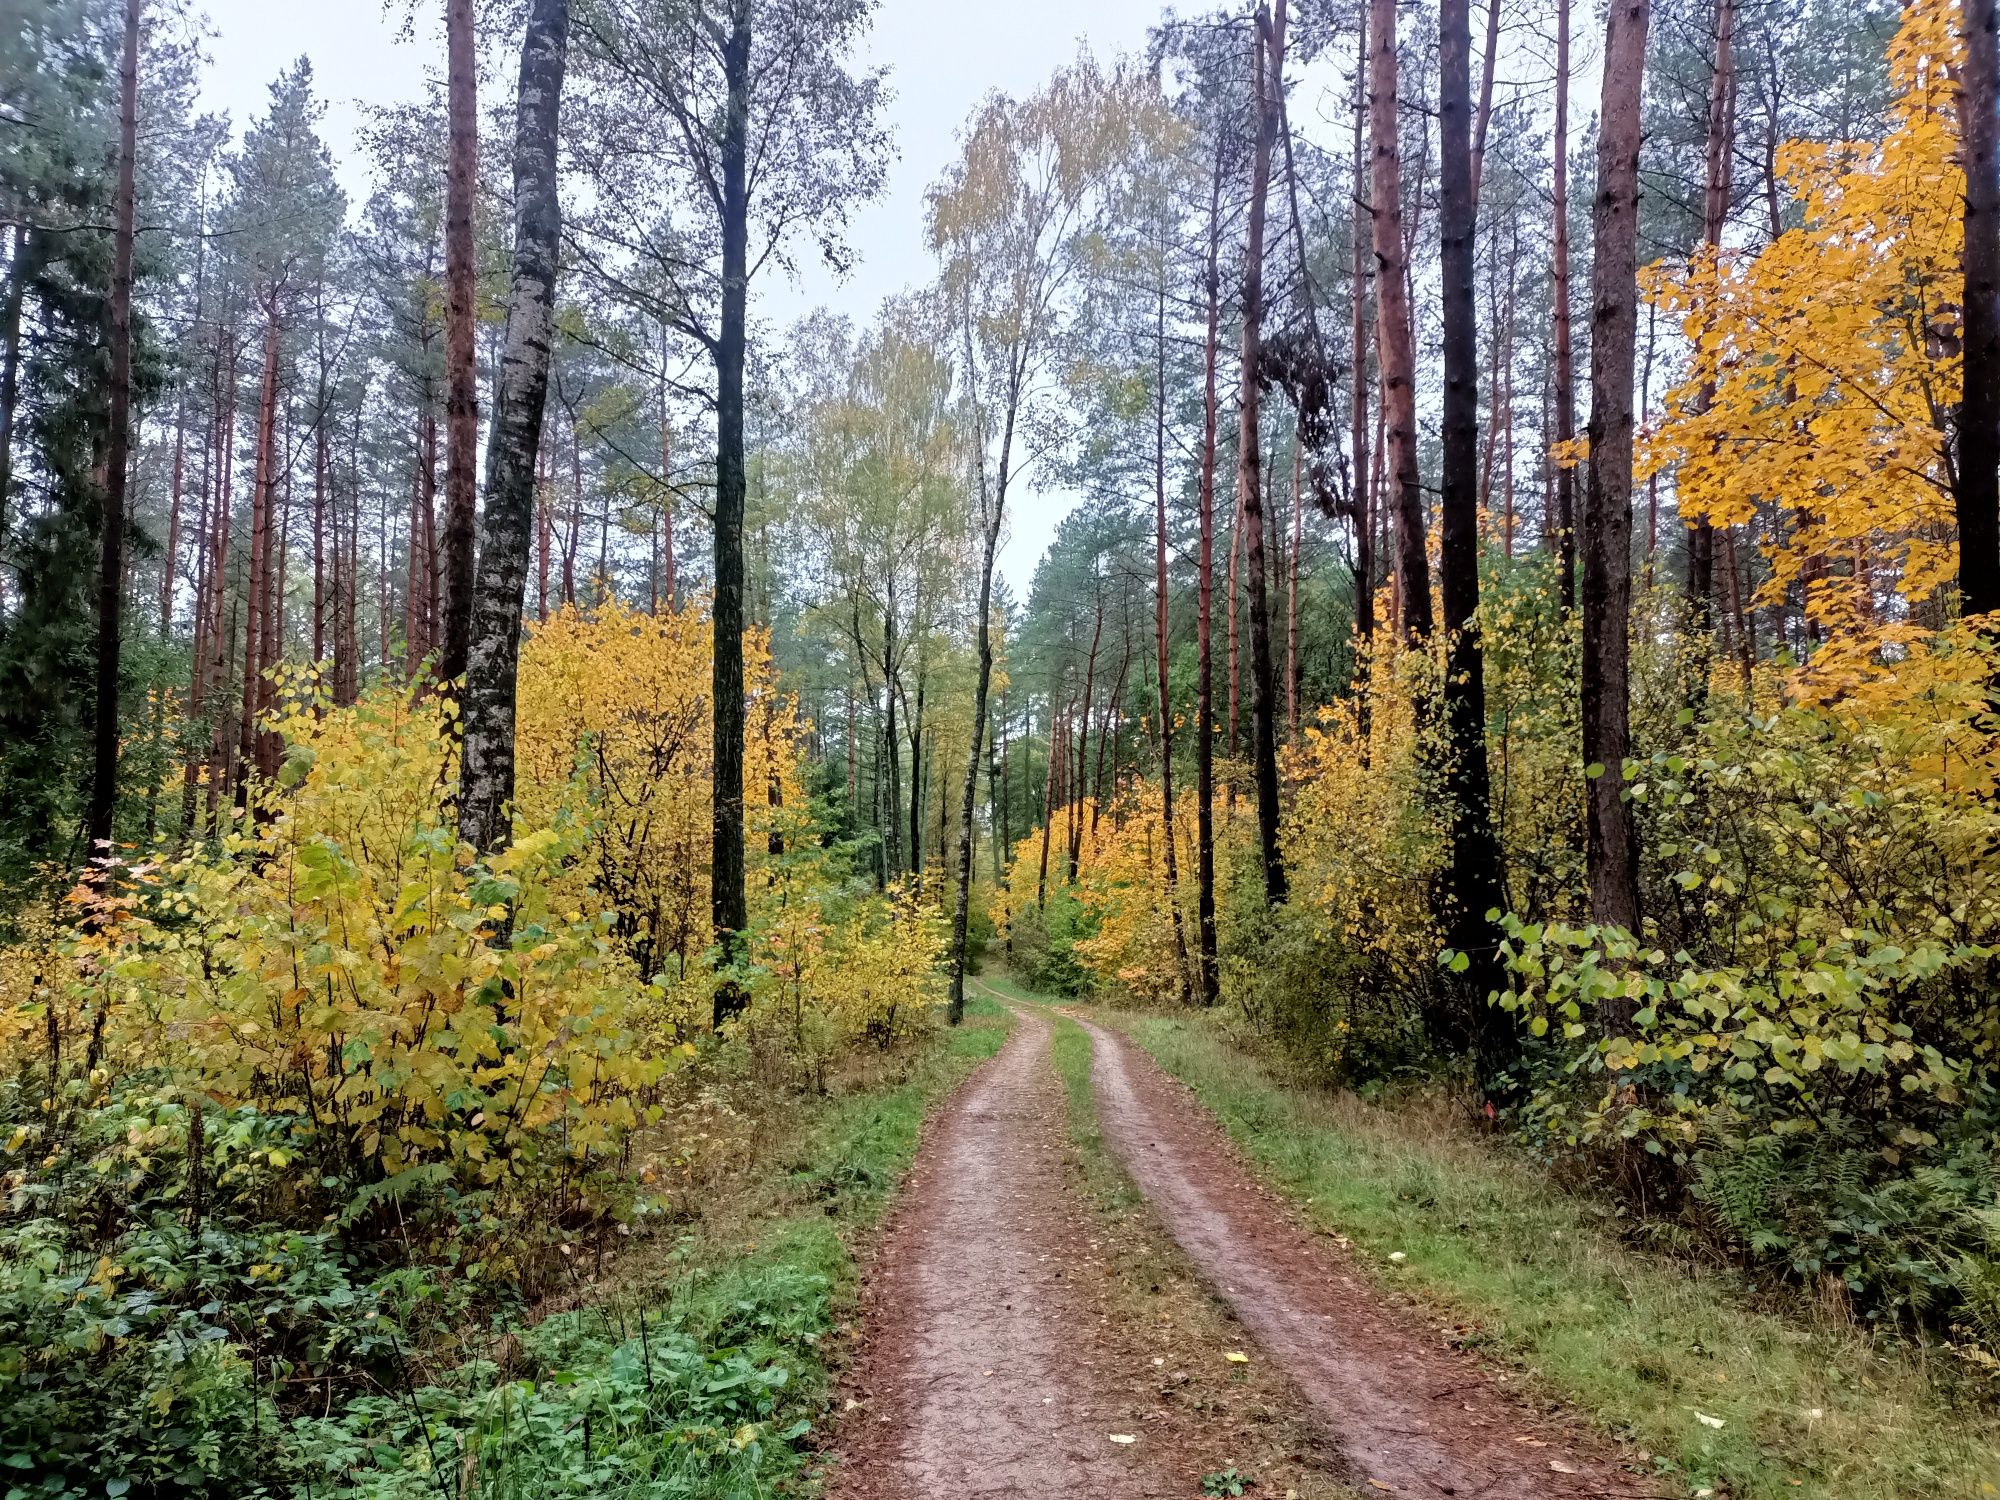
1394 342
172 554
1361 494
486 777
728 899
1484 117
111 521
1611 850
19 266
1473 876
1714 210
461 394
1207 976
1563 524
1166 706
1267 78
257 573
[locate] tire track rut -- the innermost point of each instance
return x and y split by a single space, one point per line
1409 1416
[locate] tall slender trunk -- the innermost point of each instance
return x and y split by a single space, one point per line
1611 851
993 519
1267 74
575 519
1166 707
513 452
1234 588
1564 521
1361 494
1714 210
1292 596
1473 884
1394 343
543 526
172 553
1207 975
1058 755
461 394
1978 488
19 266
1484 116
666 479
257 571
1077 785
728 899
111 522
322 459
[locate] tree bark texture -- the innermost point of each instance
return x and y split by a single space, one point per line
1267 77
111 523
1611 848
1395 348
486 777
461 383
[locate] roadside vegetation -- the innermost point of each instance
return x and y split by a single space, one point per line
1725 1384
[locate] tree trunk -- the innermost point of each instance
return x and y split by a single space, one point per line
1394 343
486 776
1607 521
1714 210
1564 526
257 571
1166 707
1267 78
1058 753
111 522
1484 117
1978 488
1361 493
461 393
173 548
1292 669
18 268
1473 877
1207 975
728 900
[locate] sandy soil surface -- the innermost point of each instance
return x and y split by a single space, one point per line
1410 1416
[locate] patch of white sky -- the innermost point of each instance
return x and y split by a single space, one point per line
943 57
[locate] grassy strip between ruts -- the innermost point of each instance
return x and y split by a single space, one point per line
709 1385
1729 1394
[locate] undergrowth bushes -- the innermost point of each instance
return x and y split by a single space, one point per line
291 1119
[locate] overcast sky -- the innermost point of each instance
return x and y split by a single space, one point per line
943 57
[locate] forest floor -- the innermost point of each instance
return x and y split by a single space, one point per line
1034 1326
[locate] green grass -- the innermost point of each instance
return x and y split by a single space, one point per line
1808 1406
706 1381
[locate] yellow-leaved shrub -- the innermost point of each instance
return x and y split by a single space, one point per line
345 965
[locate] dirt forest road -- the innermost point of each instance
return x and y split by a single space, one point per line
982 1371
992 1363
1409 1416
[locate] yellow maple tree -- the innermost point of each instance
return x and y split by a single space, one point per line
1825 365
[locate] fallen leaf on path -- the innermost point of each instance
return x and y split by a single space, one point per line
1381 1486
1123 1437
1237 1357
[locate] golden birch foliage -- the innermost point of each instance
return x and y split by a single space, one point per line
342 965
615 730
1122 885
1825 365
